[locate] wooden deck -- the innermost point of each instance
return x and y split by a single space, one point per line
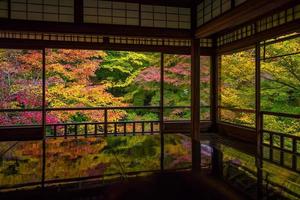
173 185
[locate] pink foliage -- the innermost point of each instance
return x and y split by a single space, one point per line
4 120
180 69
97 170
27 99
176 75
205 79
26 118
150 74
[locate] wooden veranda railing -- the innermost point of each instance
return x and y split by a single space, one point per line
280 148
104 126
101 128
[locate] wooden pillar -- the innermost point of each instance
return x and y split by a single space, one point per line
232 4
259 157
214 97
195 108
217 155
9 9
217 163
78 11
161 114
44 116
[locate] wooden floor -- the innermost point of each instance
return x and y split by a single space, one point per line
173 186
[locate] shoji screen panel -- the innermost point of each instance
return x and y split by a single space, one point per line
263 24
43 10
108 12
124 13
210 9
165 17
279 18
206 42
3 9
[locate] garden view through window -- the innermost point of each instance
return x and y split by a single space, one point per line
84 89
95 93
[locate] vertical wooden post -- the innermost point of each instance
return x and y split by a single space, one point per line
195 121
281 151
161 114
217 155
151 128
143 128
78 11
232 4
133 129
195 98
76 130
65 131
214 89
55 131
217 163
124 129
258 125
44 116
105 122
9 9
294 161
140 14
85 130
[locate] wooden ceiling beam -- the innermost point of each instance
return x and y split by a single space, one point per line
39 44
101 29
239 15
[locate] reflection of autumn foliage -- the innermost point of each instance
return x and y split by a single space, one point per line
74 148
178 152
30 149
75 157
98 169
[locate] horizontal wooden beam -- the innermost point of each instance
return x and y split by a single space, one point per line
220 141
239 15
261 36
237 132
35 133
101 29
39 44
21 134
